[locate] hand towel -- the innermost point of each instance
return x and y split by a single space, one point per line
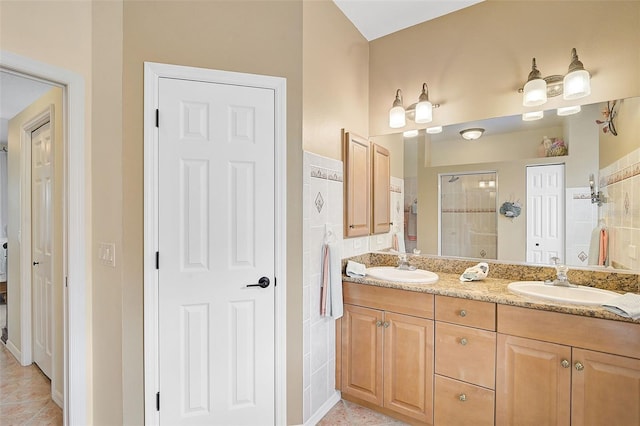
394 242
604 248
324 285
334 296
475 273
355 269
627 305
401 247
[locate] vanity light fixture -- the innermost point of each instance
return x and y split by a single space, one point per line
410 133
575 84
472 134
421 112
434 130
569 110
532 116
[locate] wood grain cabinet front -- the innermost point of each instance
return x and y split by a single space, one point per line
458 404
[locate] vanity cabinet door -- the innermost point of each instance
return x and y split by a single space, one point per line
381 187
408 366
533 382
606 389
362 353
357 161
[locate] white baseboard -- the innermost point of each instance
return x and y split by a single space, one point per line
14 351
58 398
326 407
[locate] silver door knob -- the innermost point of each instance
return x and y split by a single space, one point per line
579 366
386 324
462 397
565 363
378 323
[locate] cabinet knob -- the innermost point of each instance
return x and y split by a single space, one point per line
565 363
386 324
463 341
378 323
579 366
351 226
462 397
463 313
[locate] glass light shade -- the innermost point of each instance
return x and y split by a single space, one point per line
535 92
577 84
397 117
471 134
569 110
410 133
434 130
532 116
424 112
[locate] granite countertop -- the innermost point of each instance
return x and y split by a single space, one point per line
490 290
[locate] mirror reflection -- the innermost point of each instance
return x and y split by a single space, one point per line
565 223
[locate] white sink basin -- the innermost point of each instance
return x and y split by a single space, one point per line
391 273
580 295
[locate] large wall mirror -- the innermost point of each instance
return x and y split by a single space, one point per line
513 148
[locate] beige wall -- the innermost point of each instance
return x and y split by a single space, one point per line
249 36
336 79
52 98
474 60
59 34
627 123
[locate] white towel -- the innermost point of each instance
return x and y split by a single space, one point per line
627 305
355 269
401 247
475 273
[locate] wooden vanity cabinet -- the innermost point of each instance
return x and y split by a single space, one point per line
465 356
386 352
561 369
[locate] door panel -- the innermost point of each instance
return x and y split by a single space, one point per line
42 246
216 236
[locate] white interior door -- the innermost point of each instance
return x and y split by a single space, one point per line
545 213
42 246
216 236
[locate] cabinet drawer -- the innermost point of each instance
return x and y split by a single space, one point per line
458 403
466 353
466 312
389 299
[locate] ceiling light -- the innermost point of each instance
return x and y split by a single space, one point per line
410 133
472 134
532 116
397 113
574 85
421 112
434 130
569 110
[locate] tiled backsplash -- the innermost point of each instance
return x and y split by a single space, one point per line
620 185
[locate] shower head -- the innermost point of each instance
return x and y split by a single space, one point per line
454 178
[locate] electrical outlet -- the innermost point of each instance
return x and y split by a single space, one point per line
107 254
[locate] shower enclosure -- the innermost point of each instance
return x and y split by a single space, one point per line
468 219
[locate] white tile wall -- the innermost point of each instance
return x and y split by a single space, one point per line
581 219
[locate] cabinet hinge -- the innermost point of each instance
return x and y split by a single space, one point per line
157 401
157 117
157 260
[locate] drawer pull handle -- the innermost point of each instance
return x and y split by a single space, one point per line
462 397
463 341
386 324
463 313
378 323
579 366
565 363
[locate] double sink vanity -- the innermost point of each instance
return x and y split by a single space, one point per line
446 352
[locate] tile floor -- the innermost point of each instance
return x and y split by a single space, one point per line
25 394
349 414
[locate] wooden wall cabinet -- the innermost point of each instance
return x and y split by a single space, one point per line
387 357
380 190
357 172
560 369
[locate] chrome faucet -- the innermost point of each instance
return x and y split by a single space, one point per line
561 273
403 263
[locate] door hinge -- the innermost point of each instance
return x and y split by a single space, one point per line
275 281
157 401
157 117
157 260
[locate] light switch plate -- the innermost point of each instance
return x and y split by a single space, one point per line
107 254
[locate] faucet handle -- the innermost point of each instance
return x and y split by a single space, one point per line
555 260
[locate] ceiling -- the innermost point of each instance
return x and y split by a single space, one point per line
378 18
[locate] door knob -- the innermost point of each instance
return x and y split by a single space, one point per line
36 263
262 283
